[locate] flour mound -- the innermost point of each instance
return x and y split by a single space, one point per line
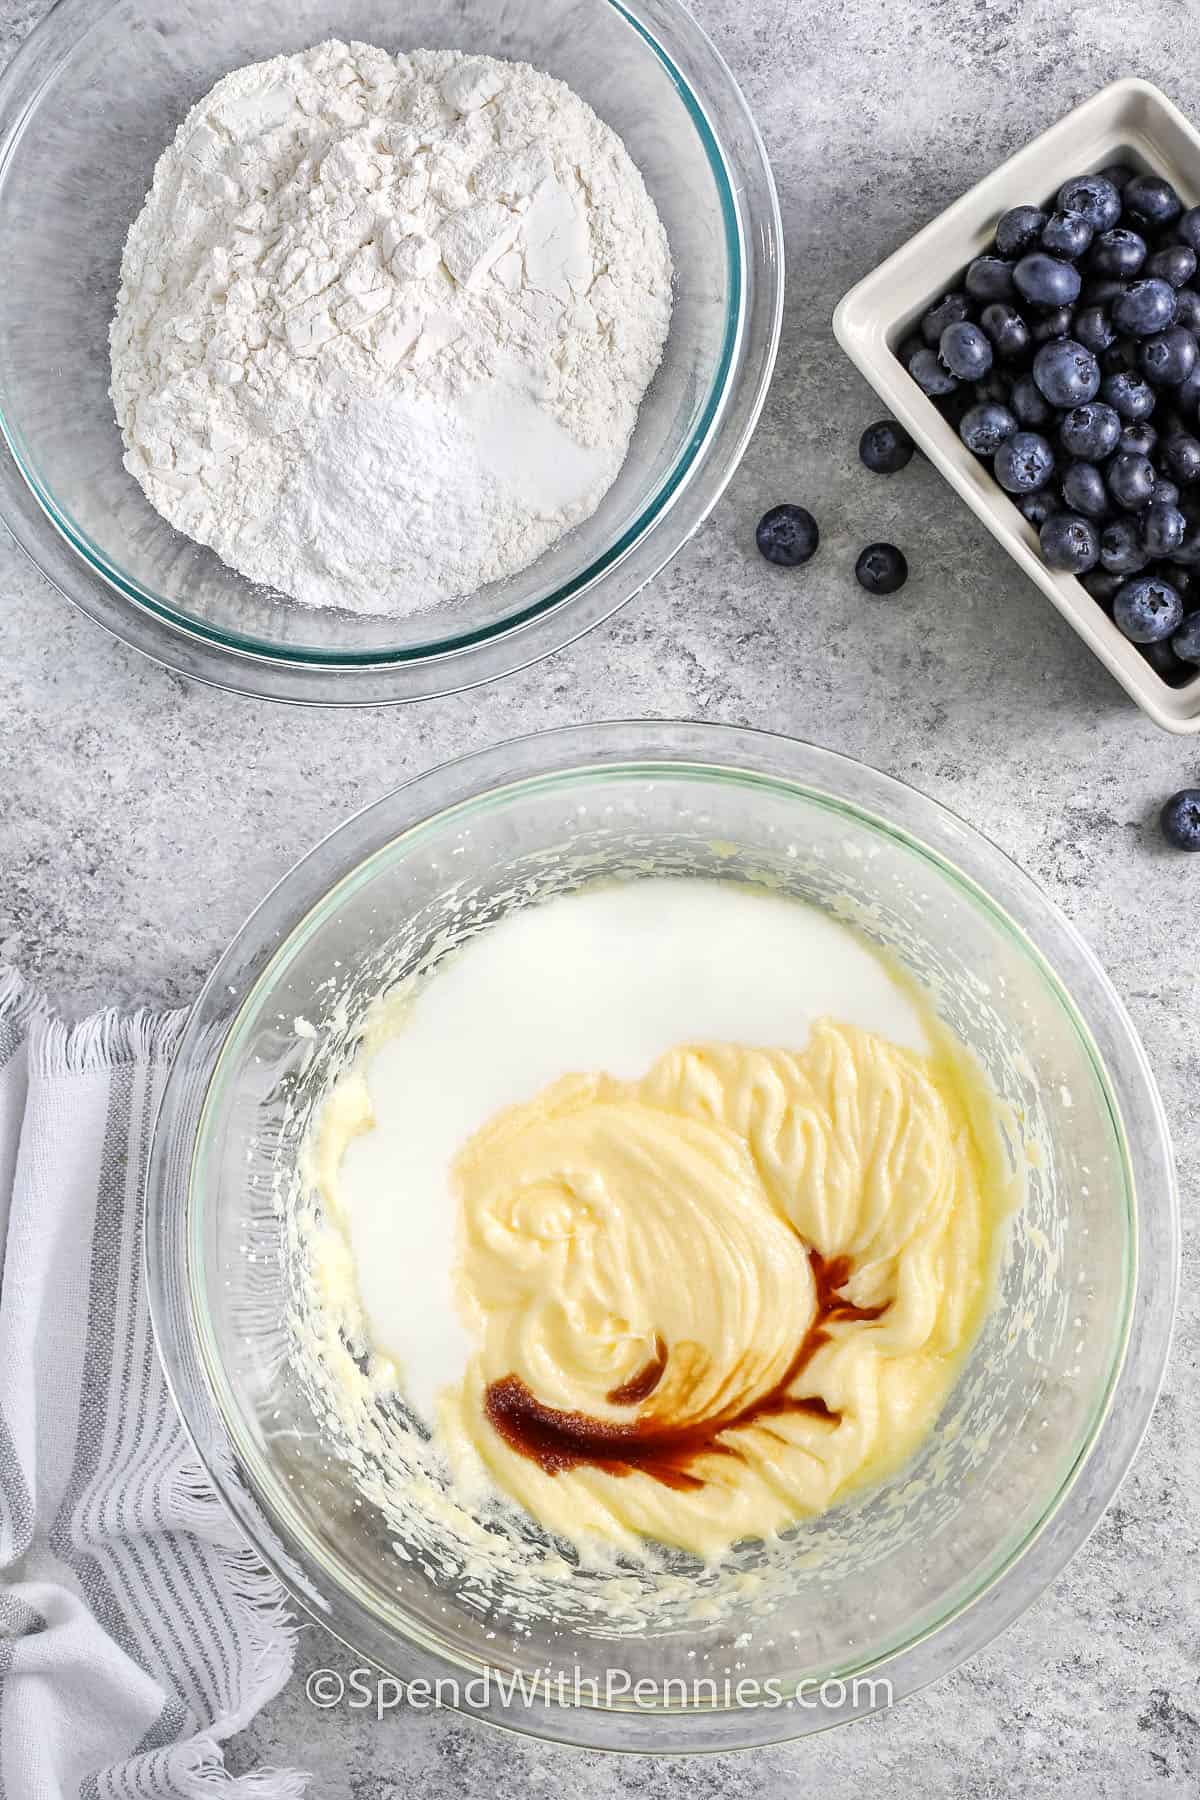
385 322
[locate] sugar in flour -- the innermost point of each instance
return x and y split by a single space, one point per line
385 322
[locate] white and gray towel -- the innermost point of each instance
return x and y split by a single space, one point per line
137 1630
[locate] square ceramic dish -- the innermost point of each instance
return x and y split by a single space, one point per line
1129 122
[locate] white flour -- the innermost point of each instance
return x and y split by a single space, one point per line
385 322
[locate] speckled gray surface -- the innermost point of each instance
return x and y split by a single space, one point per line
141 818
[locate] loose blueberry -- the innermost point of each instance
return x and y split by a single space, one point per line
1006 330
1119 253
931 375
1165 493
984 428
1038 506
1151 201
1130 480
1128 395
1121 549
885 447
1138 439
1069 543
1023 463
1102 585
1145 307
1187 228
1083 491
1101 290
1176 264
965 351
787 535
1163 528
1091 431
1187 556
1180 820
951 309
1066 373
1182 454
1120 174
1018 230
1045 281
1165 663
1187 395
1095 197
990 278
1049 326
881 569
1187 309
908 347
1094 329
1167 358
1067 234
1029 403
1147 609
995 387
1186 641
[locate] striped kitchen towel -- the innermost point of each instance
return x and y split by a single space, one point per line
137 1630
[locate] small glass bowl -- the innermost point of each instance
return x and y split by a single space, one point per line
886 1591
86 107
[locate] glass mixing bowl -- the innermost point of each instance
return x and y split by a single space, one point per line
895 1586
86 107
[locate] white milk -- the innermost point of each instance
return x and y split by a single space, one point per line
601 981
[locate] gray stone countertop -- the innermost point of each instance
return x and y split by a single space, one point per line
141 818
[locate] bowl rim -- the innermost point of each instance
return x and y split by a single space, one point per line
703 463
1020 1571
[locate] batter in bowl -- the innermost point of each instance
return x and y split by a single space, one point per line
671 1207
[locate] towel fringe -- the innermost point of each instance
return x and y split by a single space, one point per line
207 1778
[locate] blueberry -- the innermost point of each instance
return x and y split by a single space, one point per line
1024 462
1119 253
1187 309
1094 329
1127 395
907 348
1102 585
931 374
1138 439
1176 264
989 278
1101 290
1144 308
1018 230
1045 281
965 351
1095 197
787 535
885 447
1121 549
1182 458
1091 431
1180 820
1165 663
1006 329
881 569
995 388
984 428
1151 201
1167 358
1120 174
1051 325
1165 493
1069 543
1067 234
1147 608
1187 555
1187 228
951 309
1083 491
1186 641
1066 373
1130 480
1037 507
1163 528
1029 403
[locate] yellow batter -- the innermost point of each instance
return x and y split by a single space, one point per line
743 1284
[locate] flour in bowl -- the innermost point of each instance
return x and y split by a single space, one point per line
385 322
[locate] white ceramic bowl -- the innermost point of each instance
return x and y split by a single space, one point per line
1131 121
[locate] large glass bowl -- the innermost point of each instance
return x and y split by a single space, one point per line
896 1586
86 107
